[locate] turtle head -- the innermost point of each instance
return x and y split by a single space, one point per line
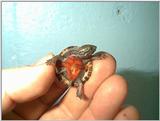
87 50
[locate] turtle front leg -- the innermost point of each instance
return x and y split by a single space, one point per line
54 59
51 61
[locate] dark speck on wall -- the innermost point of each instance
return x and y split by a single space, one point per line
118 11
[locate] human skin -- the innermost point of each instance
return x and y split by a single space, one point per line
28 93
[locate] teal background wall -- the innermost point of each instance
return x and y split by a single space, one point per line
127 30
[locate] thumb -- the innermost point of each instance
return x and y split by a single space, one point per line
25 83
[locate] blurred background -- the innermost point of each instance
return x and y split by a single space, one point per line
127 30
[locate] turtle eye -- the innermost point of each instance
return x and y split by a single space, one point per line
84 51
87 50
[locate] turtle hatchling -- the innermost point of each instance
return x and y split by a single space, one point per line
74 65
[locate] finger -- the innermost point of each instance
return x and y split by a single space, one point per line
25 83
71 106
128 113
107 100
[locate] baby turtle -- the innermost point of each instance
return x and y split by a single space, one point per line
74 65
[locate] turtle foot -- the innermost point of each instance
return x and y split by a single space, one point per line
51 61
100 55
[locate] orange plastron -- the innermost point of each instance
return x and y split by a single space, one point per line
74 66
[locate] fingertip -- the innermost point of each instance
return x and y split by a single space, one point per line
109 97
119 84
128 113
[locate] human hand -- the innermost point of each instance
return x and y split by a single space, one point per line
28 92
